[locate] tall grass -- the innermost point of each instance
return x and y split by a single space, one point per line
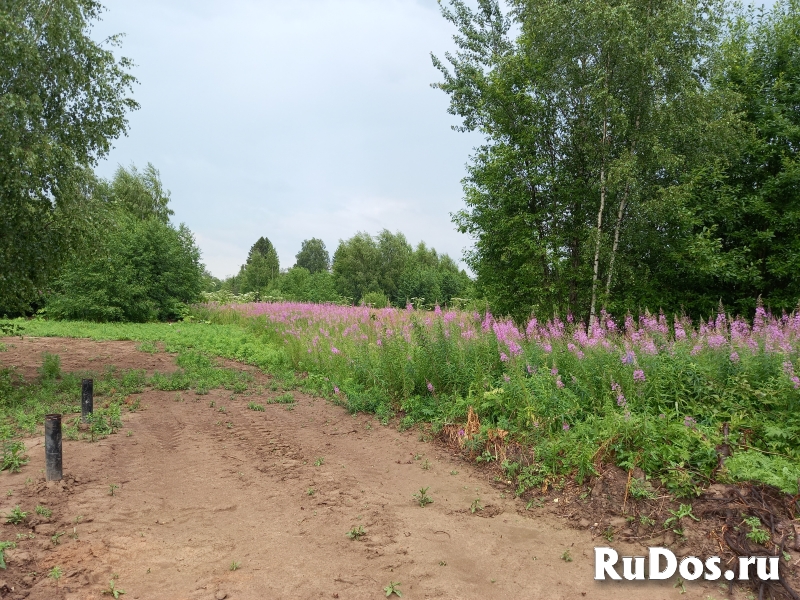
645 393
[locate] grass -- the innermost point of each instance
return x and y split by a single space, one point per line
652 393
356 533
16 515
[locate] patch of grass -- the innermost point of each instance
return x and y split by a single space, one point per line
16 515
320 461
287 398
43 511
13 456
51 366
566 556
256 407
234 566
3 547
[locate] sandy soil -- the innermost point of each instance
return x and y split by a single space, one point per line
199 489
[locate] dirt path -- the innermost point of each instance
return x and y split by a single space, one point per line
196 495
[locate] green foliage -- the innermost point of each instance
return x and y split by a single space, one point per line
757 533
313 256
387 265
3 547
393 588
750 465
375 300
16 515
139 267
14 457
299 285
64 99
356 533
51 366
422 497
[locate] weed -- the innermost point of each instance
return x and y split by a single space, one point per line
13 456
685 510
566 556
221 409
113 590
422 497
16 516
356 533
129 433
646 521
680 584
453 472
757 534
641 490
111 489
393 588
442 563
211 404
10 493
256 407
55 573
426 465
287 398
149 347
320 461
608 533
234 566
311 491
51 366
3 547
475 506
56 537
41 510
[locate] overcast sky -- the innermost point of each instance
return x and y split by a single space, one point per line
293 119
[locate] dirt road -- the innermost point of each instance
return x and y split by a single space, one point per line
273 493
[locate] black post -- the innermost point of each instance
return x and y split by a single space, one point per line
87 399
52 447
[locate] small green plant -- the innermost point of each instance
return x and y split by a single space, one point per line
426 465
113 590
235 566
55 573
311 491
41 510
13 456
685 510
453 472
757 534
211 404
475 506
646 521
320 461
51 366
566 556
256 407
422 497
56 538
442 563
16 516
221 409
129 433
393 588
680 584
111 489
3 547
641 490
287 398
608 533
356 533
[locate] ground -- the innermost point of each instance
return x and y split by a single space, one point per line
185 492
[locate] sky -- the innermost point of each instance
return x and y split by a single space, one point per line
293 119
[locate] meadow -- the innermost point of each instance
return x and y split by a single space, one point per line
668 396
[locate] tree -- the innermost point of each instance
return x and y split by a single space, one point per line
262 266
63 99
356 267
583 115
139 270
140 193
313 256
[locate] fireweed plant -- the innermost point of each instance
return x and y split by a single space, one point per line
647 392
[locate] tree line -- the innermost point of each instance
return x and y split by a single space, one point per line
637 154
379 270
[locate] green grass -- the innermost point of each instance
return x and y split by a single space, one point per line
24 403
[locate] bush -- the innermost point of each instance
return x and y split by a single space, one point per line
139 270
